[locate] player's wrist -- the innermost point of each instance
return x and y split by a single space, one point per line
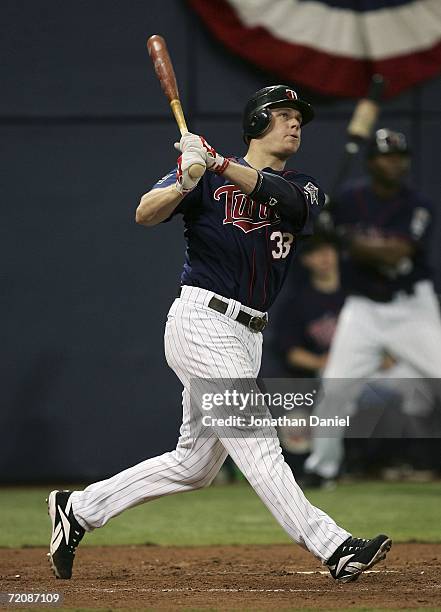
182 190
184 181
217 164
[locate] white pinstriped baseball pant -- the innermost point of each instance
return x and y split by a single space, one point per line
408 327
203 344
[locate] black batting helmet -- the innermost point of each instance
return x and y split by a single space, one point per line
387 141
257 116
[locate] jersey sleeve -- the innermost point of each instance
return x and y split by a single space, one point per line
314 197
419 222
168 180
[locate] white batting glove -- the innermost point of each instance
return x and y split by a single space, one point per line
192 142
215 162
184 182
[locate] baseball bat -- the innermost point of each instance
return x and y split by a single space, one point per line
358 131
360 127
162 63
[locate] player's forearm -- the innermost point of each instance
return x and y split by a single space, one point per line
301 358
387 251
157 205
242 176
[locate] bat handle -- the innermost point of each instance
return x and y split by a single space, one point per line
179 116
196 170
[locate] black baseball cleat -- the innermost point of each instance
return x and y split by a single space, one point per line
355 556
311 480
66 533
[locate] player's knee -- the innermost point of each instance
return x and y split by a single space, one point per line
199 481
207 480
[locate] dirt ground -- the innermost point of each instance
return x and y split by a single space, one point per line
227 577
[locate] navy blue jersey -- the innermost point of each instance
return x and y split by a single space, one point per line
237 247
407 215
308 320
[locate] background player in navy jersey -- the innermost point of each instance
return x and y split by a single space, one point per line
241 222
392 305
304 329
307 321
303 333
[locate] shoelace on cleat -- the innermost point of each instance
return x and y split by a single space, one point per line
355 544
74 543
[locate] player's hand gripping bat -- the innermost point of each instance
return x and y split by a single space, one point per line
164 71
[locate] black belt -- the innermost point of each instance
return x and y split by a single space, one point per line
384 299
255 324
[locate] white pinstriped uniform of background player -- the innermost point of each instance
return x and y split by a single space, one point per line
391 307
241 220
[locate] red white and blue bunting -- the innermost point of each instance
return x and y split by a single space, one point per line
332 46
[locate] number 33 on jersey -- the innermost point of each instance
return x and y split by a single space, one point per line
283 242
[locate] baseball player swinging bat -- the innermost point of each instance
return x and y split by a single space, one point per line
241 231
158 51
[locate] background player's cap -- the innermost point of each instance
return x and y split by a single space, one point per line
386 141
257 116
319 239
